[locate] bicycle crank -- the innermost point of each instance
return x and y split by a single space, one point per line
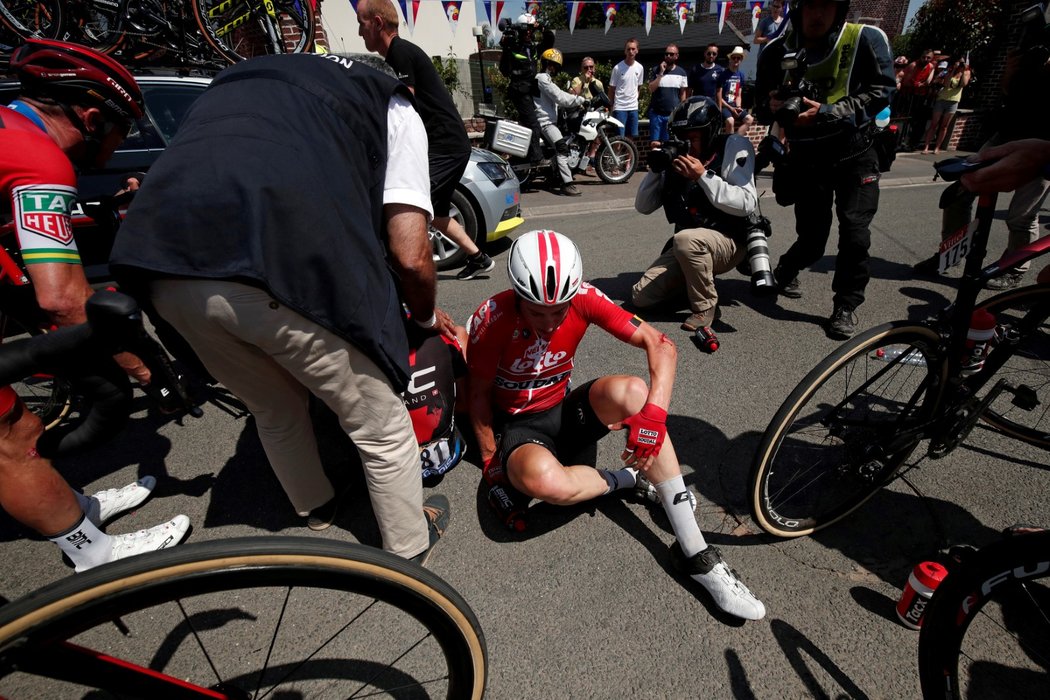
957 425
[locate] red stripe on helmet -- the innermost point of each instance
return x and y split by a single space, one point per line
550 296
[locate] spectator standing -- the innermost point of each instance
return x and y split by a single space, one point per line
708 195
587 86
448 143
832 165
549 101
771 26
668 85
730 95
915 88
624 85
521 354
269 234
703 78
950 88
75 107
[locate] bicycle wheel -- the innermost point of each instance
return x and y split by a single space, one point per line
1024 415
33 19
252 617
616 162
986 632
99 26
845 429
45 395
241 29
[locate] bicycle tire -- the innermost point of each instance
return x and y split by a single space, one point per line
239 575
1028 366
847 436
998 598
33 19
240 29
99 26
49 397
605 161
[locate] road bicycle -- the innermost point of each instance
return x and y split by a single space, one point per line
853 421
240 618
993 603
232 29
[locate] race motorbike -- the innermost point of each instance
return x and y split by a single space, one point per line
614 162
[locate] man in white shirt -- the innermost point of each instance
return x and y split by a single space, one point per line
626 80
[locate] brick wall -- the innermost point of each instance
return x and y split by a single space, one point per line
886 14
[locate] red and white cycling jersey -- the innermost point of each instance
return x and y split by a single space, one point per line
528 373
37 191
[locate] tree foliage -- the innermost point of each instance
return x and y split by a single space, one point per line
955 26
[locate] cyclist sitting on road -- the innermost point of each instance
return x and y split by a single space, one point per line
75 107
550 99
521 352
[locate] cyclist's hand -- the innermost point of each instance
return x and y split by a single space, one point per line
135 368
646 432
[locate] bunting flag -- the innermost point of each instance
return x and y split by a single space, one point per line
532 7
452 12
409 10
723 12
610 14
493 9
681 10
575 8
353 5
649 10
756 13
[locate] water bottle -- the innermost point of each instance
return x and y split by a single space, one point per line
982 329
908 355
921 584
707 339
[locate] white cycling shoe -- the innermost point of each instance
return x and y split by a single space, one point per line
152 539
107 504
727 590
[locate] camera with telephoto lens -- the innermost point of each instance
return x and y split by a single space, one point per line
660 158
513 35
797 87
758 230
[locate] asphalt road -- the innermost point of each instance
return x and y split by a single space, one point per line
584 603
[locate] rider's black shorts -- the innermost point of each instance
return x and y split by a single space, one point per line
566 429
445 172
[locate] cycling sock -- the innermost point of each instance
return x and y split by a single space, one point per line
86 504
85 544
618 479
674 496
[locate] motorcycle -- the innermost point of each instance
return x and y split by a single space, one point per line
614 162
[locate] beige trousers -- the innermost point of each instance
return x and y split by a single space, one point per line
272 358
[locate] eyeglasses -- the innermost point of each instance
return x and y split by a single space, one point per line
670 53
710 53
588 67
736 58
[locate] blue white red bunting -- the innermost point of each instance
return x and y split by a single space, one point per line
452 8
649 12
723 13
756 13
575 8
610 14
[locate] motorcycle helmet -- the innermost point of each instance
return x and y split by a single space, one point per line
795 13
552 56
525 20
73 74
545 268
698 113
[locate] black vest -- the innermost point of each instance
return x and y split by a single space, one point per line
686 206
275 179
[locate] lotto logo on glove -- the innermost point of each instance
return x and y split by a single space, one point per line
646 431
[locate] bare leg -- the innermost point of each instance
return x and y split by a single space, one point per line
457 234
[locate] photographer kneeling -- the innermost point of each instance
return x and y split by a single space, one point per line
704 181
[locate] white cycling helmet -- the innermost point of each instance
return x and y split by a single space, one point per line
526 20
545 268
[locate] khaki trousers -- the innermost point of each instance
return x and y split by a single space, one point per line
272 358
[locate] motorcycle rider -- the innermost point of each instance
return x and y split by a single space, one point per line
518 63
550 99
709 195
832 164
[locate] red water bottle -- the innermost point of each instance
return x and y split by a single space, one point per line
504 499
982 330
707 339
921 584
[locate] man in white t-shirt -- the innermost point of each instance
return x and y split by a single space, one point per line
627 78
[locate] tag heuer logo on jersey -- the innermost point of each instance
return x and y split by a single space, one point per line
45 211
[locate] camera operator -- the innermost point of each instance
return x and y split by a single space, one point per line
704 181
518 63
549 100
823 82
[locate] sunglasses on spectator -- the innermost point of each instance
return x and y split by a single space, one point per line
710 53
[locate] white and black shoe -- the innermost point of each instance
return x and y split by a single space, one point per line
104 505
152 539
727 590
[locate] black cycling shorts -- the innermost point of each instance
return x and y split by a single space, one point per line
566 429
445 173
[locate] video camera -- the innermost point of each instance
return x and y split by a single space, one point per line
660 159
794 64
